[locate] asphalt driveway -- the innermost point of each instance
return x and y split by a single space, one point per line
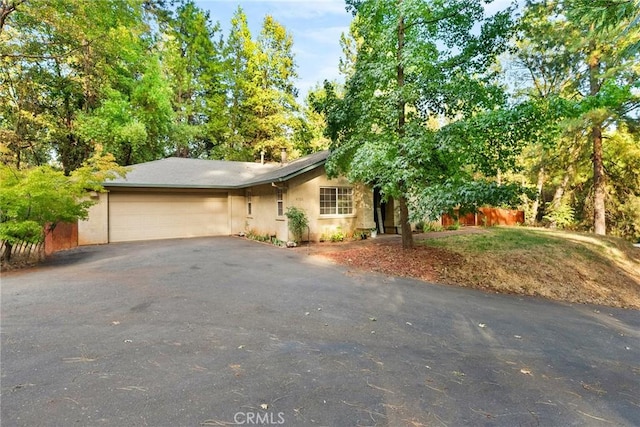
224 331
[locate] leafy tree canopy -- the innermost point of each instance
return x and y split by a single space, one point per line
420 64
40 196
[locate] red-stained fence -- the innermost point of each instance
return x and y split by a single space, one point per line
486 217
63 236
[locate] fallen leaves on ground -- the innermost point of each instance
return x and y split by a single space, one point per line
393 260
580 275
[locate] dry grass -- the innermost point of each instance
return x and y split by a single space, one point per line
573 267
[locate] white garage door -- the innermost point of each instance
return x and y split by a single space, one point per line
148 216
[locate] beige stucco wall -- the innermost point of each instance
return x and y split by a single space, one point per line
264 219
304 192
237 211
95 229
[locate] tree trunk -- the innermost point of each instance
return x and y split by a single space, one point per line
599 189
536 203
407 235
559 194
400 77
8 247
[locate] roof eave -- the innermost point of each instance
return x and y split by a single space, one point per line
286 177
174 186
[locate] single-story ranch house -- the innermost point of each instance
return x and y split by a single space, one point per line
178 197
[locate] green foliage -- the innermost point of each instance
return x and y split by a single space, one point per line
622 163
193 59
337 236
253 235
535 120
297 222
308 136
32 198
467 196
61 60
23 231
132 126
562 216
265 238
431 226
273 96
402 78
627 215
145 80
500 239
261 92
277 242
240 51
583 53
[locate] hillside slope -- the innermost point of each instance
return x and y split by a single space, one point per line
566 266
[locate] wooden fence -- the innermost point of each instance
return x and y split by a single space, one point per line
486 217
63 236
22 251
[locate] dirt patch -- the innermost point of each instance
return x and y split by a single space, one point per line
564 268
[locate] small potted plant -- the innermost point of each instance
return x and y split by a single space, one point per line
374 233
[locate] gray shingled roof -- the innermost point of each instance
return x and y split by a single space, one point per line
178 172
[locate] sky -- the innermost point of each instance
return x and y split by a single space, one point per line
315 25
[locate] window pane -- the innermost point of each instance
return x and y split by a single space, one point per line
280 202
327 201
335 200
345 201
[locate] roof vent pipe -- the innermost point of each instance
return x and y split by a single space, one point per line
262 157
283 155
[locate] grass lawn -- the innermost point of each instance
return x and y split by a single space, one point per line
567 266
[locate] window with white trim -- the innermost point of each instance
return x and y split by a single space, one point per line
280 201
248 198
336 201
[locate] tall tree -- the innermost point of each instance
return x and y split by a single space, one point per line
309 134
350 44
194 63
274 98
261 90
418 59
240 54
542 73
133 123
61 60
588 45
